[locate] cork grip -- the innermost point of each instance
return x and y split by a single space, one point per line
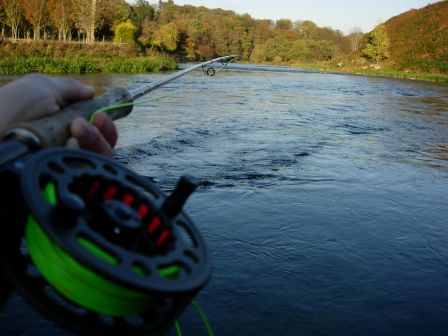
54 130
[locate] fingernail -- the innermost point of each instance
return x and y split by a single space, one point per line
72 143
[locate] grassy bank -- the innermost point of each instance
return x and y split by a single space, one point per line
82 65
22 57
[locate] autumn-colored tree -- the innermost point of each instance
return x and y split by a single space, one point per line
166 12
2 20
205 48
419 38
14 15
226 35
82 18
168 36
61 17
86 15
263 31
148 28
340 42
247 37
35 13
377 47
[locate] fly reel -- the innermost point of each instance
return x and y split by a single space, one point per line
98 248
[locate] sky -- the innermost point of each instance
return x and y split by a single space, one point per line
342 15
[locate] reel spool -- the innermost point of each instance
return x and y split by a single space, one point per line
98 248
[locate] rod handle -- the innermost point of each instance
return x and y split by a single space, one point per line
54 130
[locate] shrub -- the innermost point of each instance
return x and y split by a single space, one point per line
125 32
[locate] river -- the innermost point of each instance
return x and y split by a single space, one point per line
326 204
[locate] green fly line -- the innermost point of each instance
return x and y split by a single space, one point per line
143 102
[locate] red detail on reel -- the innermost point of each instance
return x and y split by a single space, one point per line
128 199
143 210
163 236
154 224
93 188
110 193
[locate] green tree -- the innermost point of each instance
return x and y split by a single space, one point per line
258 54
283 24
377 47
323 50
110 14
307 29
142 11
278 48
125 32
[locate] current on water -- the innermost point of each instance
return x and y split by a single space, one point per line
326 204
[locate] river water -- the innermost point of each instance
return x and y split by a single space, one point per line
326 204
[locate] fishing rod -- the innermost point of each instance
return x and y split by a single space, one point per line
54 130
92 245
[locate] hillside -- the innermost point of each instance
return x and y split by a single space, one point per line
419 38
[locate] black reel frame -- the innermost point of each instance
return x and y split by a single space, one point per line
117 210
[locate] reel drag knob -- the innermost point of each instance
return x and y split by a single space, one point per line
174 203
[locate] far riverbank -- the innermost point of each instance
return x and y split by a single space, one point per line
384 71
54 57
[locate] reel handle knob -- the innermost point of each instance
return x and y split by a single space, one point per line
174 203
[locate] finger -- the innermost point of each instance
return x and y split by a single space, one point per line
89 137
68 90
107 128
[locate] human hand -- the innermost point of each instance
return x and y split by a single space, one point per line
35 96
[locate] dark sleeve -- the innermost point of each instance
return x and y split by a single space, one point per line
5 290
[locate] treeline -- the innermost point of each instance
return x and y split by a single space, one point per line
64 20
416 39
192 32
198 33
